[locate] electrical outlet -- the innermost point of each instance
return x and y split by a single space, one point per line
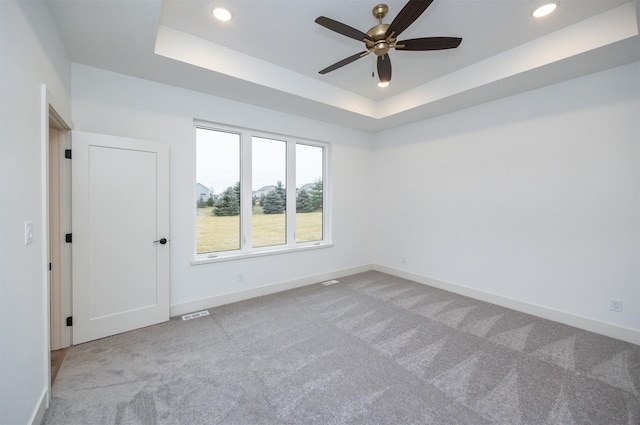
615 304
240 277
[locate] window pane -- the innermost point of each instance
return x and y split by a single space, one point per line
217 191
269 176
309 192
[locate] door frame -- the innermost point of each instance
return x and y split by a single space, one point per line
60 224
51 114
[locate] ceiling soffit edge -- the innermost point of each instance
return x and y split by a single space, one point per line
592 34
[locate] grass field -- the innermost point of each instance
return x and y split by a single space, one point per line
223 233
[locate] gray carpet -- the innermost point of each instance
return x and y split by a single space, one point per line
373 349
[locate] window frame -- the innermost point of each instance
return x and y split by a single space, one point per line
246 196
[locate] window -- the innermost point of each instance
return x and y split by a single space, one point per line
218 169
309 195
264 193
269 174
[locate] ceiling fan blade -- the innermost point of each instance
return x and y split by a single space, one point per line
341 28
429 43
409 13
384 68
344 62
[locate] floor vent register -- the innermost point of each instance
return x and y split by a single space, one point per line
195 315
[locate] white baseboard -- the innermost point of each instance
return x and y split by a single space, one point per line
232 297
38 413
603 328
596 326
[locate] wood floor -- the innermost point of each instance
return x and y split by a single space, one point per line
57 357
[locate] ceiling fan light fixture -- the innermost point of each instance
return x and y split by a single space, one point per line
383 84
544 10
221 14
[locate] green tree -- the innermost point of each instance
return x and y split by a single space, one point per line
316 194
201 203
210 202
303 202
282 192
236 190
229 202
273 203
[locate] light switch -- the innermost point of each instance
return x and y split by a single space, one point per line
28 232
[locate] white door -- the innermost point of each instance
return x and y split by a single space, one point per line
120 212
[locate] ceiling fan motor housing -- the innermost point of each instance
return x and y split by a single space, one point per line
380 44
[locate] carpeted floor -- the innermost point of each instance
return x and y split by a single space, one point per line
373 349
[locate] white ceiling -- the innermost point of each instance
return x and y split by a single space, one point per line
272 50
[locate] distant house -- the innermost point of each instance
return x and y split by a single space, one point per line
306 187
202 192
257 194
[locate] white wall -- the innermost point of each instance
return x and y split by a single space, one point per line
31 54
109 103
533 198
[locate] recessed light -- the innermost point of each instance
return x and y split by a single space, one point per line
544 10
222 14
383 84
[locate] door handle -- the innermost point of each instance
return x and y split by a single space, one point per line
161 241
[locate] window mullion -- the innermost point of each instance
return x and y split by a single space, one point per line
291 192
327 231
246 194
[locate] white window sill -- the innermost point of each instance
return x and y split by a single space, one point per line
217 258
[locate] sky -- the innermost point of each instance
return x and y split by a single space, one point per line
218 161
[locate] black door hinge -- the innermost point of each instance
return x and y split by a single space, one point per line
49 266
70 321
67 238
67 153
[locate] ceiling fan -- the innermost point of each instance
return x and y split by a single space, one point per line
382 37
